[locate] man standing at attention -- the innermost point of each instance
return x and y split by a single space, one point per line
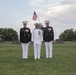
37 38
25 38
48 37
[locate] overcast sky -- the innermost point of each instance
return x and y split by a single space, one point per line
61 13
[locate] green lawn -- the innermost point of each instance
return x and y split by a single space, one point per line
62 63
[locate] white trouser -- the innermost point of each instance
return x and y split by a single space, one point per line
25 50
37 49
48 46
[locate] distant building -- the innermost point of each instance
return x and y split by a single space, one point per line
58 41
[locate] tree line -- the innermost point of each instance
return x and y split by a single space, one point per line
8 34
68 35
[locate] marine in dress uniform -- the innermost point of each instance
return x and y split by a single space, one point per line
37 38
25 38
48 37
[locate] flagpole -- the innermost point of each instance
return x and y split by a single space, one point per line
38 18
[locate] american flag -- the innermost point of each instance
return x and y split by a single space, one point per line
34 16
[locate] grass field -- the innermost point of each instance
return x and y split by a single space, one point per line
62 63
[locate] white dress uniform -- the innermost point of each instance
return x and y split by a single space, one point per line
37 38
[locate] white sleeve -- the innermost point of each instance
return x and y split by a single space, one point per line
41 35
32 39
19 36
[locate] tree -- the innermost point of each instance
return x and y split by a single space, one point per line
75 35
8 34
68 35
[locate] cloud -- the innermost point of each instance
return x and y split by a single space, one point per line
61 13
36 2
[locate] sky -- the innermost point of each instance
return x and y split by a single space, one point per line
60 13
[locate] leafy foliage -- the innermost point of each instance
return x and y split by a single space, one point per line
68 35
8 34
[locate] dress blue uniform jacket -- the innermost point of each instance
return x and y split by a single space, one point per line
25 35
48 34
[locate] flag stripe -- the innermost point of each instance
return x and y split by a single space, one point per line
34 16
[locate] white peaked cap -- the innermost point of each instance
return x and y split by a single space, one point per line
24 22
47 21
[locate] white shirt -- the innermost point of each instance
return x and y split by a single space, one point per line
37 36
